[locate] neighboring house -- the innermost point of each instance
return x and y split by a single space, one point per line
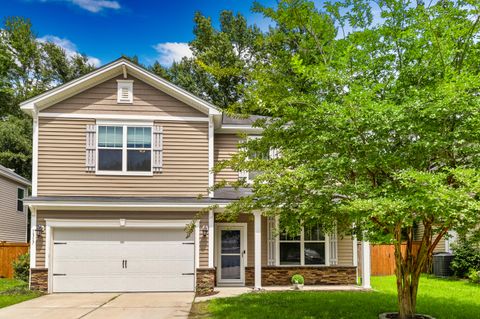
444 245
120 157
13 214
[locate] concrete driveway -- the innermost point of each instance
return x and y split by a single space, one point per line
103 305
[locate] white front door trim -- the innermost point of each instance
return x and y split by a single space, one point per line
244 249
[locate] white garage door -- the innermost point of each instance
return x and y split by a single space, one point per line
96 260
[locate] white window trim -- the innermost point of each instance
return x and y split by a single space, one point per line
302 249
122 84
124 148
25 195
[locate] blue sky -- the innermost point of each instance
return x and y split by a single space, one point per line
105 29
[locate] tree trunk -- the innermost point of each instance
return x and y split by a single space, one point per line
408 270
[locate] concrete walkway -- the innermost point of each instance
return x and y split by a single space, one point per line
102 305
224 292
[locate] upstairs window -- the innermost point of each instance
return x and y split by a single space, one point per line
124 91
124 149
20 197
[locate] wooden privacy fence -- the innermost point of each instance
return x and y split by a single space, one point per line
8 253
382 258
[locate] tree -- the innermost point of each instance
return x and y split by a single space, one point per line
28 67
222 59
376 126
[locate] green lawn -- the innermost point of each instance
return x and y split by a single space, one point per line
444 299
14 291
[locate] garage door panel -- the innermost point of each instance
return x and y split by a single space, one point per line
91 260
168 283
88 283
159 251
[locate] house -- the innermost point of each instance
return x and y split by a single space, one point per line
120 157
13 214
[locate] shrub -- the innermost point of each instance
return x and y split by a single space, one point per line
21 267
474 276
297 279
467 256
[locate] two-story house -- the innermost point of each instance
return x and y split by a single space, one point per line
13 214
120 157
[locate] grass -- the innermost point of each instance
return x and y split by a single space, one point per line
441 298
13 291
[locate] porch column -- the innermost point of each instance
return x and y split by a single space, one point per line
211 237
366 264
258 250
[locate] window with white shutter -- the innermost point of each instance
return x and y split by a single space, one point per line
125 91
91 143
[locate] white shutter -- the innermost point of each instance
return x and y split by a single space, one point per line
271 240
90 148
333 247
157 149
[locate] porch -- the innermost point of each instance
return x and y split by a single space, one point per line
248 253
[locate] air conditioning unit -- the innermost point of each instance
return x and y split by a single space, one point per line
441 264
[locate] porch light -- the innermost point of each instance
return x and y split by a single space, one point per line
39 229
204 230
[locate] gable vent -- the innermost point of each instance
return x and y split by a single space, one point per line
125 91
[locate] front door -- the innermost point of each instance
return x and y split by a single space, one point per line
231 255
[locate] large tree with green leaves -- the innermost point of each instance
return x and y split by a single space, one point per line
28 67
222 60
375 114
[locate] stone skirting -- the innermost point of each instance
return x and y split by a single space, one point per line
281 276
205 281
39 279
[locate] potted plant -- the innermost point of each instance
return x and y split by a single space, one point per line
297 281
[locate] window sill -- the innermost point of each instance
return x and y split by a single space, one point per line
106 173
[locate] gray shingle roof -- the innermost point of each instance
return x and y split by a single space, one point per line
8 173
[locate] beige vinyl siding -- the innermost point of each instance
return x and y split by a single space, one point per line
61 163
102 99
101 215
225 146
13 224
345 251
441 246
203 248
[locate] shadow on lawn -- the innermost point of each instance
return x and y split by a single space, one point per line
328 305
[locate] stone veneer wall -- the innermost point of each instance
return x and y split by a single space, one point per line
39 279
206 279
281 276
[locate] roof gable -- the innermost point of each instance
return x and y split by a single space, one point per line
118 67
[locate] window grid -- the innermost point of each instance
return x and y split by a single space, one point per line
103 143
284 238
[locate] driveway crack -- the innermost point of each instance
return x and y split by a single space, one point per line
100 306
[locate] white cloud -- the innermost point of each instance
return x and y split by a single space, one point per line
93 5
69 47
169 52
96 5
